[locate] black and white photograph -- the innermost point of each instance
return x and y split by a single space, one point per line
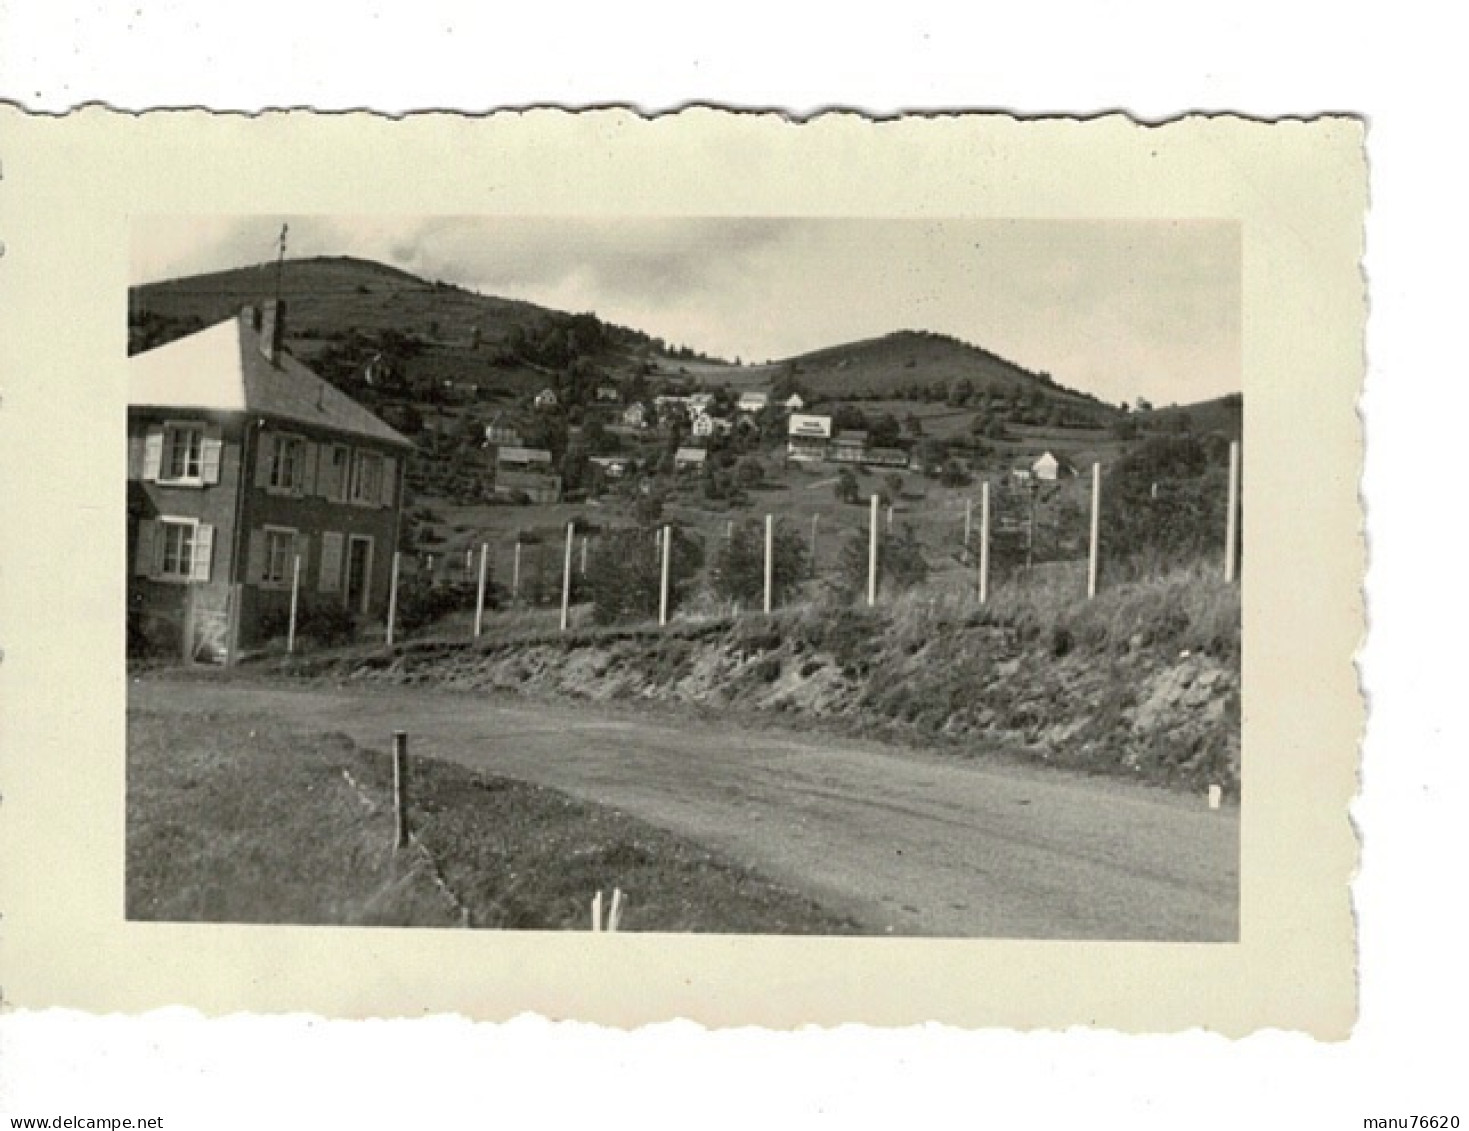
733 575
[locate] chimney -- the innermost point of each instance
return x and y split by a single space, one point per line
272 326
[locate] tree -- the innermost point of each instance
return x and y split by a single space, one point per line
953 474
751 472
885 431
900 562
624 572
847 488
739 567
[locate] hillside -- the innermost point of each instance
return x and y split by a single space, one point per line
341 312
916 365
1223 416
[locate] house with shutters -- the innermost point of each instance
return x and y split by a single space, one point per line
250 479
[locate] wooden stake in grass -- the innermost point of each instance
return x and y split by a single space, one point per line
479 600
984 542
1095 555
663 584
872 556
769 560
400 788
295 592
393 597
614 916
584 539
515 573
566 577
597 912
1231 522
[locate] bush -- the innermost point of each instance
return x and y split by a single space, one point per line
624 573
421 602
739 567
900 562
847 488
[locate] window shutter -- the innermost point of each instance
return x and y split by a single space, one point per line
213 452
309 454
390 480
301 547
324 471
203 552
264 449
147 548
255 561
331 563
153 454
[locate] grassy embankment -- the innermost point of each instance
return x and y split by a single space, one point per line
230 821
1141 682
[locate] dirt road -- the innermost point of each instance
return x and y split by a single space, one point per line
907 842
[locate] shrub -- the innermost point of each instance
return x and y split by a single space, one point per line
625 568
739 567
422 603
900 562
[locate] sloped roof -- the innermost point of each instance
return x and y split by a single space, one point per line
222 369
510 454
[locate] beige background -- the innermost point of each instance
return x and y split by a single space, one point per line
70 187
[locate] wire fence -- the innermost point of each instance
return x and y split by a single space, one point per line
1064 534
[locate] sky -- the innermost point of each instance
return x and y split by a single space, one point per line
1119 309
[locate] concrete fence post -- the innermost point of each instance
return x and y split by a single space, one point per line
872 554
984 542
393 597
566 577
479 600
1231 522
295 594
663 583
1094 556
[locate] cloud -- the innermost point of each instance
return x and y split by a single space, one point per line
1116 308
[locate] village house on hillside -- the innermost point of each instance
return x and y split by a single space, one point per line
847 447
526 471
635 415
248 473
752 402
807 437
1049 467
499 432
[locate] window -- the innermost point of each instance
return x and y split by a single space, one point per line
280 554
367 479
183 453
287 464
338 479
175 549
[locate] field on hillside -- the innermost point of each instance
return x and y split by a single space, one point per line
801 496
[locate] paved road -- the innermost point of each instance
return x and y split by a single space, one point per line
907 842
